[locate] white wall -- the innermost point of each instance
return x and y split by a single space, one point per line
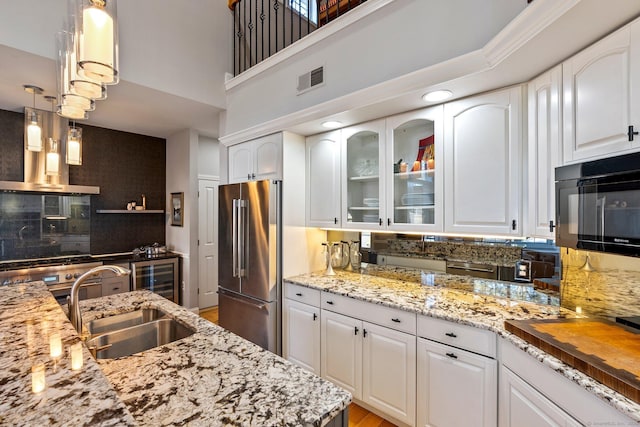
208 157
182 161
399 38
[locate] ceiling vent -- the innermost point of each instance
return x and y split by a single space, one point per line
309 80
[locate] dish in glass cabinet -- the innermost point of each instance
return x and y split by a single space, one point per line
412 199
371 202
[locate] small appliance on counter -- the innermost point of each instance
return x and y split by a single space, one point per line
536 264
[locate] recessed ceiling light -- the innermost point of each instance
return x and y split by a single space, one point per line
437 95
331 124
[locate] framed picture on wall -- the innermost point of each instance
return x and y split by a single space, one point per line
177 209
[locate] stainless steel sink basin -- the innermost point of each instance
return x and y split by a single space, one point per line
134 339
124 320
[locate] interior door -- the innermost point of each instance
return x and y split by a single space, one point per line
208 242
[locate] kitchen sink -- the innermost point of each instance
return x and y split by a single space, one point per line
124 320
134 339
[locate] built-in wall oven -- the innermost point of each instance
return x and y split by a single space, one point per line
157 275
598 205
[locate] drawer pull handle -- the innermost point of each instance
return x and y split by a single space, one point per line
330 302
451 334
395 320
451 355
299 294
315 316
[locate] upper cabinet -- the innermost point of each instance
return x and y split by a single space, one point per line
323 180
256 160
363 157
544 151
482 139
601 97
414 171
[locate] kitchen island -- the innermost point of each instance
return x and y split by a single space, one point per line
479 303
212 377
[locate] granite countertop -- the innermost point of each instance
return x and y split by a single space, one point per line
480 303
211 378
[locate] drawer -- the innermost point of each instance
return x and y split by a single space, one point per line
454 334
302 294
115 285
393 318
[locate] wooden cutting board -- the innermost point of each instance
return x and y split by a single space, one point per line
606 351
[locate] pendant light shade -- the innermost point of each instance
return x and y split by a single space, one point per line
97 40
70 81
70 104
33 122
52 166
74 146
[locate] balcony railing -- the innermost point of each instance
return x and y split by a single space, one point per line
263 27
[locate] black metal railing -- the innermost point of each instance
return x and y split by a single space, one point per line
263 27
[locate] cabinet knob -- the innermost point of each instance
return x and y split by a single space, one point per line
514 224
364 333
451 334
631 133
253 176
248 176
452 355
315 316
335 220
355 332
380 222
551 226
389 222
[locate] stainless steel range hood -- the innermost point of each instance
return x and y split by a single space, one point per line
35 178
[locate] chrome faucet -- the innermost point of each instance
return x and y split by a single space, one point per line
74 307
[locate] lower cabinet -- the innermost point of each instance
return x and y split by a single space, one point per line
376 364
456 388
302 335
523 406
112 284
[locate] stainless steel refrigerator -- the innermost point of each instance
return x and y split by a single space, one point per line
250 261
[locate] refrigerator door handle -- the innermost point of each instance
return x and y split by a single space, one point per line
242 208
229 295
234 238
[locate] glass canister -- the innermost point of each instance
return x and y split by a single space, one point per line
355 257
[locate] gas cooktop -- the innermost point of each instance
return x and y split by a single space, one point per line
45 262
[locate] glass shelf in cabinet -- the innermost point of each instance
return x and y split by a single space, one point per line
422 175
401 208
364 178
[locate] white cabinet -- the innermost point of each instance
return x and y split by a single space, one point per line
601 97
544 151
482 139
375 364
301 327
456 375
456 388
415 195
362 158
302 335
256 160
523 406
323 180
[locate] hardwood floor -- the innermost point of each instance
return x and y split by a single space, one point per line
358 416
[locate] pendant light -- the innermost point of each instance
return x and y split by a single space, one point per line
33 122
70 104
52 162
97 40
74 145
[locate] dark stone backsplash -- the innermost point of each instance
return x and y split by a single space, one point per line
124 165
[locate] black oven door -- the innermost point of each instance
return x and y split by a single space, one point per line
609 213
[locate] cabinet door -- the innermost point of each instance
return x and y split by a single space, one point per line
362 187
415 196
597 99
341 350
544 151
240 162
323 180
483 163
389 371
301 343
456 388
523 406
267 155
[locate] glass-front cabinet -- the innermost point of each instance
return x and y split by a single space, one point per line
363 183
414 170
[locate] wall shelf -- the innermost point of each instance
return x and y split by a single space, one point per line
126 211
